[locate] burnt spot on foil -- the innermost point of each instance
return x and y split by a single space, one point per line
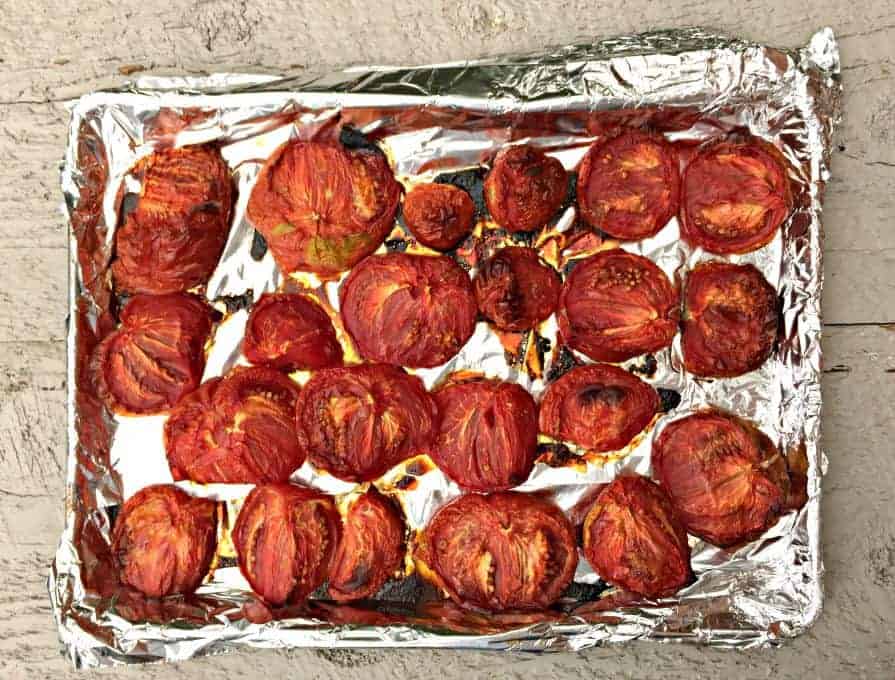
670 399
259 246
472 181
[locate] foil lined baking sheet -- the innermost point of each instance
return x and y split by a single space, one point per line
691 85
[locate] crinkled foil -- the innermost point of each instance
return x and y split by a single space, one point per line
754 596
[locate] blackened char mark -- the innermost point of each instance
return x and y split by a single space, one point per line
352 138
259 246
472 181
670 399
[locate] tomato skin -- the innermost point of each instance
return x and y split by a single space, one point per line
323 207
726 479
156 356
525 188
488 436
175 235
371 548
634 540
163 540
629 185
411 310
515 289
599 407
617 305
236 430
730 320
357 422
285 538
735 196
439 215
504 551
290 332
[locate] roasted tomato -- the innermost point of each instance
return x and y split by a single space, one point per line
629 185
290 332
357 422
616 305
501 552
439 215
488 436
285 539
237 430
176 227
730 320
736 196
164 540
726 479
411 310
633 539
371 549
525 188
515 290
156 356
599 407
323 207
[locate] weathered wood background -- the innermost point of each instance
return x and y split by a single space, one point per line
53 50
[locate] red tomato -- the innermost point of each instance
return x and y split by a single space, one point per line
525 188
323 207
411 310
439 215
163 540
730 320
172 239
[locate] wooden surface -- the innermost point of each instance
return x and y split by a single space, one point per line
50 51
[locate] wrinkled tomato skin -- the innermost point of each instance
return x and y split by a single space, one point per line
163 540
730 320
236 430
156 356
411 310
285 538
726 480
525 188
599 407
617 305
488 436
290 332
735 197
515 290
323 207
357 422
500 552
171 241
629 185
439 215
634 540
371 549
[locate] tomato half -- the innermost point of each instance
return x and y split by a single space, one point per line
616 305
439 215
163 540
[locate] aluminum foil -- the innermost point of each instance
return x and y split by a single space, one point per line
425 119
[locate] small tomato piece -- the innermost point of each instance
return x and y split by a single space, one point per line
525 188
439 215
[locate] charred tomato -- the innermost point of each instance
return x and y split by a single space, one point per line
357 422
504 551
285 538
629 185
237 430
726 479
290 332
515 290
172 233
371 549
634 540
411 310
323 207
156 356
599 407
616 305
488 436
524 188
735 197
439 215
163 540
730 320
